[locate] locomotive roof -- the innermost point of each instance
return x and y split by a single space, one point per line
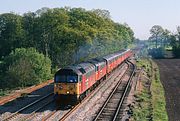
112 56
96 61
86 67
71 69
121 52
80 68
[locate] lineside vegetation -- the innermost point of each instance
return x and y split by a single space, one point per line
158 98
26 67
150 101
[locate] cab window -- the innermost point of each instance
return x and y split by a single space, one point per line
72 79
65 79
60 78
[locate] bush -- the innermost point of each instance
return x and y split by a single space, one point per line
157 52
25 67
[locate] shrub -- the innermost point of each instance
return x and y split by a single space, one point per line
25 67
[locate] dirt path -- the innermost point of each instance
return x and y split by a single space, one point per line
170 77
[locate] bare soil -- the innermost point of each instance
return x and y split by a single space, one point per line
170 78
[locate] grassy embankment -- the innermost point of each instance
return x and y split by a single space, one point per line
150 100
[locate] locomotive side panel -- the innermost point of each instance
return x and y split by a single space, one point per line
87 82
103 70
88 77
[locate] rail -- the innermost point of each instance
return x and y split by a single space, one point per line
26 107
112 105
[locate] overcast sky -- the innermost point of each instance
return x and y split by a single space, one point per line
140 15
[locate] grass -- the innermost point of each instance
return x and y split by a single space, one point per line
150 102
158 99
144 63
4 92
142 111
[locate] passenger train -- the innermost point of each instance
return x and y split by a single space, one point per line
73 83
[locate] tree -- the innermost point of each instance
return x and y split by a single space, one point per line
11 33
156 34
175 42
102 13
166 38
30 26
26 67
60 33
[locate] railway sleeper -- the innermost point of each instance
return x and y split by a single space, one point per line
105 118
112 109
108 112
112 104
115 99
117 96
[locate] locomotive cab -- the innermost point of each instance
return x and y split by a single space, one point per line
66 86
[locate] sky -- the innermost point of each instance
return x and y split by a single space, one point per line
140 15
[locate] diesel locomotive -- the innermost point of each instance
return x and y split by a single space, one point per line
73 83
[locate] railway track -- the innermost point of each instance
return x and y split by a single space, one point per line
111 108
28 90
47 101
66 113
31 108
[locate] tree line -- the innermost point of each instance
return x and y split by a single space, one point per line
164 39
58 37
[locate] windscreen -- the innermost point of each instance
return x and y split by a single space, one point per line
65 79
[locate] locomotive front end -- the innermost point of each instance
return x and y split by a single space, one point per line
66 87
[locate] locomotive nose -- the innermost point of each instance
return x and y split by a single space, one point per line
66 88
60 87
66 93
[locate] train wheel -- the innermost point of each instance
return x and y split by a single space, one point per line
80 98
